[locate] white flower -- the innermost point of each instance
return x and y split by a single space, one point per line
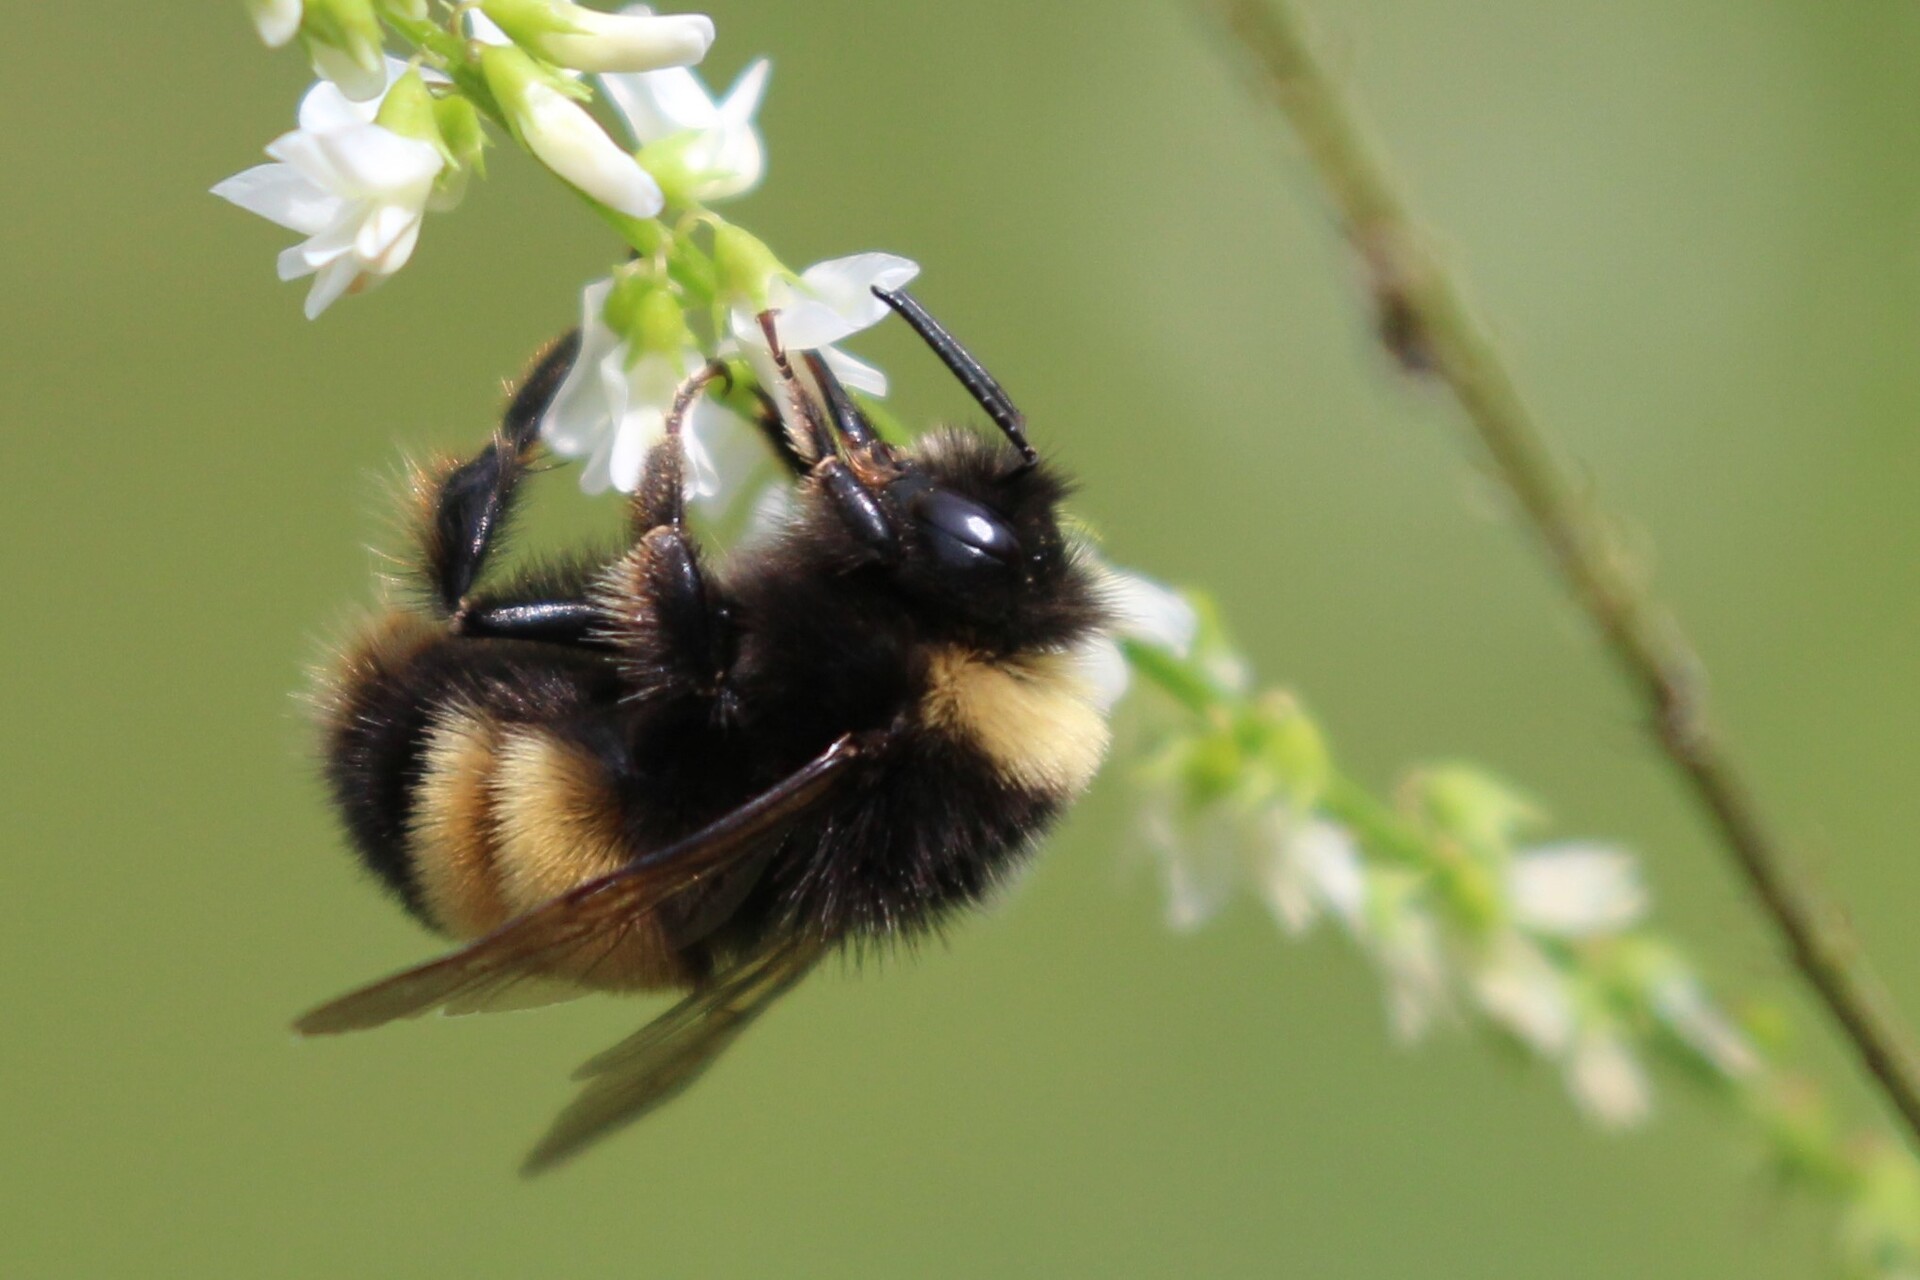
1519 988
1576 890
589 40
833 301
724 154
278 21
612 409
356 190
1312 866
1607 1082
1681 1003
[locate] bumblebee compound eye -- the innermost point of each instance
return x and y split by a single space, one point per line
962 534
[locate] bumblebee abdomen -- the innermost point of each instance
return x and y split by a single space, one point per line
460 772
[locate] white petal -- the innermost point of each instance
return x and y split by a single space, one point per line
578 419
807 324
567 140
332 244
846 285
363 81
1099 662
278 21
328 286
399 243
1144 610
1681 1002
736 450
630 43
659 104
1576 890
856 374
372 161
482 28
1284 882
1406 948
279 193
1607 1081
379 230
325 108
701 476
1520 989
1197 859
638 432
742 102
1328 863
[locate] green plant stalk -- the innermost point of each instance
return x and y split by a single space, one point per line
1425 322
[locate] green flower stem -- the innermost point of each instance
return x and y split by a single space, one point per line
1426 324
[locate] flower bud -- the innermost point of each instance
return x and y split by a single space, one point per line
278 21
565 138
460 131
1288 740
408 111
745 266
588 40
1474 807
648 316
344 43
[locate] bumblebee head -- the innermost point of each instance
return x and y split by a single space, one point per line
964 527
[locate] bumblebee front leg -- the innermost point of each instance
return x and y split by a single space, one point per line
850 491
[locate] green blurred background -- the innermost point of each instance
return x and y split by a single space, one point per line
1697 226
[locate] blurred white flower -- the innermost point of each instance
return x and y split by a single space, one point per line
358 191
1607 1081
1148 611
1404 942
277 21
1141 609
1680 1001
1199 859
1311 866
1576 890
832 301
612 408
723 153
1519 988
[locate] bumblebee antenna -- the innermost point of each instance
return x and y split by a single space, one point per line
973 375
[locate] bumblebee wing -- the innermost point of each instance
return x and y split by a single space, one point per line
659 1061
586 923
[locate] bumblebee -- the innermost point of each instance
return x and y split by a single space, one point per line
659 773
